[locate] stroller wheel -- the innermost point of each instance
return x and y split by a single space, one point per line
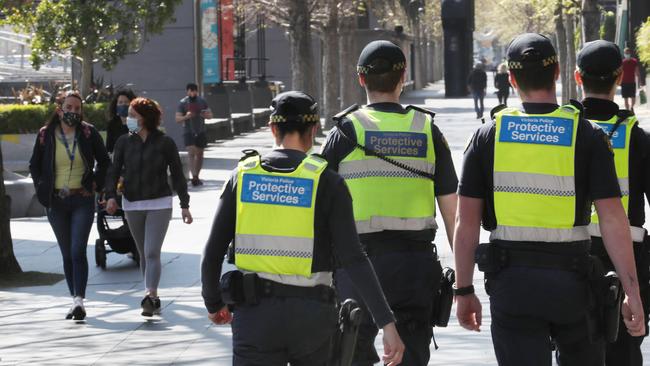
100 254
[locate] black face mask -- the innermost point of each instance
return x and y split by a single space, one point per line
193 99
71 119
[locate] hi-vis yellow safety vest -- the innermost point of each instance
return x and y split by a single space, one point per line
534 176
384 196
274 231
621 145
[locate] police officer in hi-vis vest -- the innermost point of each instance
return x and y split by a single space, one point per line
287 217
530 178
395 162
599 73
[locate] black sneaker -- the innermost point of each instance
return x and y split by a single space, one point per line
147 306
78 313
156 305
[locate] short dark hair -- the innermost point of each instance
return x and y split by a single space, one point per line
383 83
192 87
598 85
285 128
538 78
149 110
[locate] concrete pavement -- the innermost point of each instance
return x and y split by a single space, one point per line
32 329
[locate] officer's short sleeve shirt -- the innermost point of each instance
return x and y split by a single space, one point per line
595 174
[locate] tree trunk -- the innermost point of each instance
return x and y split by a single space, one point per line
417 50
303 73
86 72
571 55
351 92
560 34
331 64
8 262
590 21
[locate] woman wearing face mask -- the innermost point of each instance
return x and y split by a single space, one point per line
65 176
143 157
118 110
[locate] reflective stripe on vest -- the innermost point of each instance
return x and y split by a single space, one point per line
384 196
620 142
534 176
637 233
274 231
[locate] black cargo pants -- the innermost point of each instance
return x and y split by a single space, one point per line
278 331
408 280
531 306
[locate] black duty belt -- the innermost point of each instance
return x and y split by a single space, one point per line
491 258
267 288
384 247
574 263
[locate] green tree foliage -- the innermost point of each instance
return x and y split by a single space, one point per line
643 42
509 18
91 30
608 27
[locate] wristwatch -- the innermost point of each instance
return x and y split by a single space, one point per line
468 290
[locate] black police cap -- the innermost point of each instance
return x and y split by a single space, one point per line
294 106
379 57
600 59
529 51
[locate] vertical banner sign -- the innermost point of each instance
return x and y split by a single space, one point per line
227 42
210 42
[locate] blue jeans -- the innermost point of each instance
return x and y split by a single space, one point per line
71 219
478 96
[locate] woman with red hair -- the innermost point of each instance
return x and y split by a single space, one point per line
143 158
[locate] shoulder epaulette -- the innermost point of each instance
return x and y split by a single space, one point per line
497 109
420 109
248 153
337 117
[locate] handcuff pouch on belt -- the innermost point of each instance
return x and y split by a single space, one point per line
443 299
490 258
238 288
232 288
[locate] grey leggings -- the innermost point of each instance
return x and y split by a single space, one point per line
148 229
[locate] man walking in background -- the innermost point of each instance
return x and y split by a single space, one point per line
191 113
477 82
630 77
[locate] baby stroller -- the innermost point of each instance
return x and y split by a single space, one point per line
114 234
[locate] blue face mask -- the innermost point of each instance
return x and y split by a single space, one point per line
122 110
132 124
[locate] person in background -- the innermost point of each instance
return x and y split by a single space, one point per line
477 82
502 84
630 77
67 166
118 111
191 113
143 157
